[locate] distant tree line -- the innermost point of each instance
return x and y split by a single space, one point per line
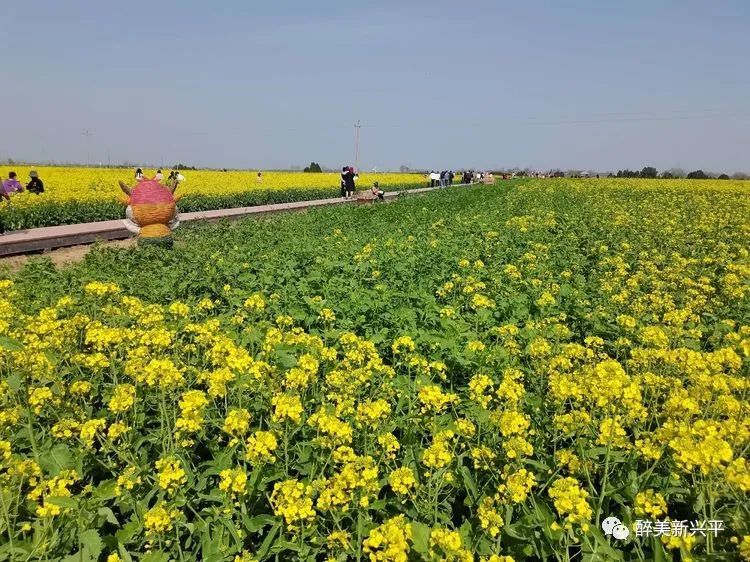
651 173
313 167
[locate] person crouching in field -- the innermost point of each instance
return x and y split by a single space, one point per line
36 185
11 185
377 192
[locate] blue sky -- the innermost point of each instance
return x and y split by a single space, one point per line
571 84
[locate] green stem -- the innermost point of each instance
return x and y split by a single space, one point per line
7 522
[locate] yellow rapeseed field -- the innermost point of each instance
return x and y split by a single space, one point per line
543 370
74 195
96 184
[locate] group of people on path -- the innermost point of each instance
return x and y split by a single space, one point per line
441 179
349 177
445 178
12 185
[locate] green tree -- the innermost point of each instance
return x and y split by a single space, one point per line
648 172
313 167
697 175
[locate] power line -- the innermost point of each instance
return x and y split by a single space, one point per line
483 122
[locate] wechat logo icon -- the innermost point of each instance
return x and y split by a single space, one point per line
613 527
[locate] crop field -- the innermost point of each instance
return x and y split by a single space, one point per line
74 195
486 373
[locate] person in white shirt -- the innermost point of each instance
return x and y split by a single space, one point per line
175 178
159 176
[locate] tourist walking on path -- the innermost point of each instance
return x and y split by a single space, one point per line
36 185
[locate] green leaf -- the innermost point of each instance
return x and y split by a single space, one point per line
155 556
268 541
659 554
14 382
465 531
62 502
254 524
92 542
603 549
59 458
282 545
10 344
51 357
108 515
80 556
124 554
105 490
420 538
468 480
128 531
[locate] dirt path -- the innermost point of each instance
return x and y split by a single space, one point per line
61 256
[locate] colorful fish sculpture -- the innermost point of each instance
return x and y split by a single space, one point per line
151 210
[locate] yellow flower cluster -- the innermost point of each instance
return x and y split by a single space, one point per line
389 542
489 518
89 429
170 474
233 482
650 504
434 400
236 424
357 478
190 421
47 491
440 453
571 502
332 431
516 486
261 446
122 399
287 408
447 545
292 500
402 480
159 520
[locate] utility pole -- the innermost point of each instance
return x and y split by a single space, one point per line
87 134
357 127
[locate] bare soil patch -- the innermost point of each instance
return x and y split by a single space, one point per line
62 256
